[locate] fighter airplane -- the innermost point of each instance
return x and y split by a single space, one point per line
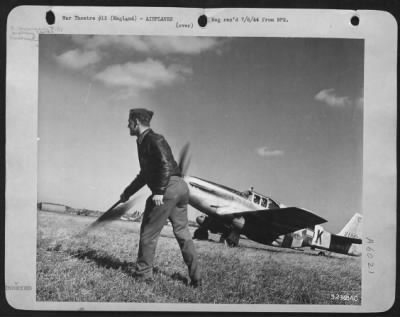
233 213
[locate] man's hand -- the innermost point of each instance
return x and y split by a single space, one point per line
123 198
158 200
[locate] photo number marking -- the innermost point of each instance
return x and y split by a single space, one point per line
370 255
344 297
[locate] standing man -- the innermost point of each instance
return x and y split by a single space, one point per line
169 199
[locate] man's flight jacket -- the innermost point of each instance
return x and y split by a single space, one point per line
157 164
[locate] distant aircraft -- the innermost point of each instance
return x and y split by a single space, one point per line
233 213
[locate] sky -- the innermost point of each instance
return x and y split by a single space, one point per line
284 115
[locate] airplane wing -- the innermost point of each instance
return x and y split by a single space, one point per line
276 222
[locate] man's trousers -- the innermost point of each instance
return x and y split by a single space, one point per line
174 208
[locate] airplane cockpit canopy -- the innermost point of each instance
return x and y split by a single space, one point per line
262 201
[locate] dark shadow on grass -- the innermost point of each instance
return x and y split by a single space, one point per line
103 260
111 262
267 249
175 276
179 277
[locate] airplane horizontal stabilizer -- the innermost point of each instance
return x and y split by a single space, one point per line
278 221
344 240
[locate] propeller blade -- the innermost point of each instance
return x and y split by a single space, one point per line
184 161
115 212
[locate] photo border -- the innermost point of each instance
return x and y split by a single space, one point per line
17 146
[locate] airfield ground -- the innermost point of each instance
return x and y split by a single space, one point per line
97 267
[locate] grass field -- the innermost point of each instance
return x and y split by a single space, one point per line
98 266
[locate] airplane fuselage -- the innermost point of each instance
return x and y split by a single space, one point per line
213 199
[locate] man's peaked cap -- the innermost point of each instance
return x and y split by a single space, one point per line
142 114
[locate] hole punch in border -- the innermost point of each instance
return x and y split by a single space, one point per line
355 20
50 17
202 20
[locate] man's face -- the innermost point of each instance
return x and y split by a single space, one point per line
133 127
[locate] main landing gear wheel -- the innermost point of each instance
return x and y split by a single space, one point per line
230 238
200 234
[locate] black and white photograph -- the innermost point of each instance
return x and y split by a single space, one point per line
262 138
203 169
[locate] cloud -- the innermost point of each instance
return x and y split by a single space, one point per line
150 44
133 73
142 75
329 97
184 45
77 59
265 151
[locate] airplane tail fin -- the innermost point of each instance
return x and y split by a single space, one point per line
353 228
347 241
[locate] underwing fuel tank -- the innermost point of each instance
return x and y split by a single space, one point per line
200 220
